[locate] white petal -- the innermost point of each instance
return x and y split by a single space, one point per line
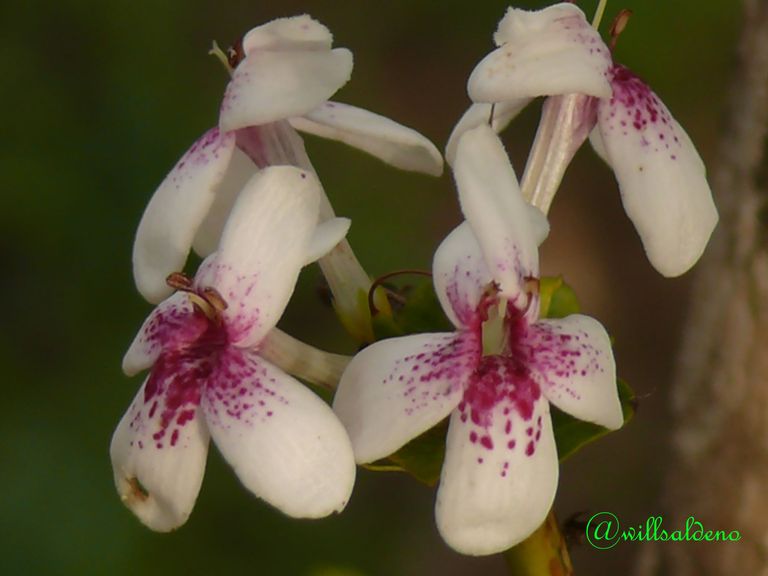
494 207
476 114
271 86
172 325
285 443
240 170
377 135
461 276
395 389
661 176
264 245
572 360
500 471
175 212
542 53
327 235
158 452
294 33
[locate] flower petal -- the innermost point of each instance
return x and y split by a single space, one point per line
159 448
176 211
241 169
572 360
542 53
661 176
461 276
172 325
503 113
395 144
494 207
285 443
271 86
500 472
327 235
263 247
395 389
294 33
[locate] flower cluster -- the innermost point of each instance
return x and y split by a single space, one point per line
246 198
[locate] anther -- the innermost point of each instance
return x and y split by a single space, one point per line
617 26
179 281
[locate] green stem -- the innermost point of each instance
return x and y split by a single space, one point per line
543 553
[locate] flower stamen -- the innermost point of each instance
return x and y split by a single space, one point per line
617 27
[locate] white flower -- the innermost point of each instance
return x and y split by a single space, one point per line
495 375
208 380
282 78
555 52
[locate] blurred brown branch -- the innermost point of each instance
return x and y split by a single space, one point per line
720 400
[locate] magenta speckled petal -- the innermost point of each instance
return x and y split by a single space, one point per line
395 389
500 471
661 176
503 113
263 247
175 212
270 86
395 144
572 360
284 443
293 33
159 448
494 207
172 325
542 53
460 276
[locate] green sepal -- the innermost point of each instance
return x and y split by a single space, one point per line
420 313
422 457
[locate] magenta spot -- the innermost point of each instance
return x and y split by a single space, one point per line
486 442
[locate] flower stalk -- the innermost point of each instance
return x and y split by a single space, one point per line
543 553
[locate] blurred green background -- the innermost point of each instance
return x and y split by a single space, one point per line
100 100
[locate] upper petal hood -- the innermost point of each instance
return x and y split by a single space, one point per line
293 33
263 247
274 85
661 176
494 207
175 212
542 53
395 144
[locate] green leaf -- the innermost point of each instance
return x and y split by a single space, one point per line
572 434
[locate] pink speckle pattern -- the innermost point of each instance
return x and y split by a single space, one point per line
241 391
244 313
173 324
461 281
436 370
635 112
565 355
210 152
196 359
